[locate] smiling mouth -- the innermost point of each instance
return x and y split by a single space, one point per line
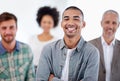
71 29
8 35
109 30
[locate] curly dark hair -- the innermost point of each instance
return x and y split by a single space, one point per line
46 10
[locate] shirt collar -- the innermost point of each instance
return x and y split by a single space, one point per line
3 50
78 47
104 42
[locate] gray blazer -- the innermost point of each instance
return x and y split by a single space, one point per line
115 66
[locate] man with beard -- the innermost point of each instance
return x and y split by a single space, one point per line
70 58
109 48
16 60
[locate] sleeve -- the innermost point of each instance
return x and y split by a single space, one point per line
31 72
92 69
44 67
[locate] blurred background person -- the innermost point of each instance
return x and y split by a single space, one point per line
47 18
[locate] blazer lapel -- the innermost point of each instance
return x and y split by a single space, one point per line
115 54
100 47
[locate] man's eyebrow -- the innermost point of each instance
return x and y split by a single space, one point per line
65 16
76 16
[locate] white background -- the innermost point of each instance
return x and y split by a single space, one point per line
26 10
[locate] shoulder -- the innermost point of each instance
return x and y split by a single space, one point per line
90 47
25 49
23 45
50 48
54 44
94 40
90 51
117 42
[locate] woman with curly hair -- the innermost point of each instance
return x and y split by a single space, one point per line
47 18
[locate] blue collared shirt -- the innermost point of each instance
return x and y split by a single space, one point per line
83 64
3 50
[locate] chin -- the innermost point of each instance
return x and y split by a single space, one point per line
9 40
70 36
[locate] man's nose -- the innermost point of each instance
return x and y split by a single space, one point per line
71 23
8 31
111 25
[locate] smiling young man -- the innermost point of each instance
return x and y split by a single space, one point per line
70 58
16 60
109 47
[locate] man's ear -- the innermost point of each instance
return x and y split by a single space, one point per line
84 24
118 24
101 23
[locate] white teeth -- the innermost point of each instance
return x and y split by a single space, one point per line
71 29
109 30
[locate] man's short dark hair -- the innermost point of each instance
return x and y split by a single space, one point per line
5 16
46 10
75 8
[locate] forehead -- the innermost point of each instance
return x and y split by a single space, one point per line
47 17
110 16
72 12
8 22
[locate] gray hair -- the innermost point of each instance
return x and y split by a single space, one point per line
111 11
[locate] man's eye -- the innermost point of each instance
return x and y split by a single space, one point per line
12 27
3 28
76 19
107 22
66 19
114 23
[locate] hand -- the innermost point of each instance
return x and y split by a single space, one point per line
51 77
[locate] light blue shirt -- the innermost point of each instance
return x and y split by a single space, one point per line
83 63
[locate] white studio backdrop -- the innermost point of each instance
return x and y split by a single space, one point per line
26 10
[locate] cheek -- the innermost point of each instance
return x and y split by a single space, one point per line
42 24
115 29
80 26
14 32
104 27
63 24
51 25
0 32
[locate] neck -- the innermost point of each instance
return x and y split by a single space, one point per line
46 33
108 40
9 46
71 42
45 36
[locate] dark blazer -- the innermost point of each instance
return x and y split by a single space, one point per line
115 66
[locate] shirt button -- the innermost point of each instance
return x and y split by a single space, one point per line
65 54
104 72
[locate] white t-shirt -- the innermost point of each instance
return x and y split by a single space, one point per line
37 46
65 71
